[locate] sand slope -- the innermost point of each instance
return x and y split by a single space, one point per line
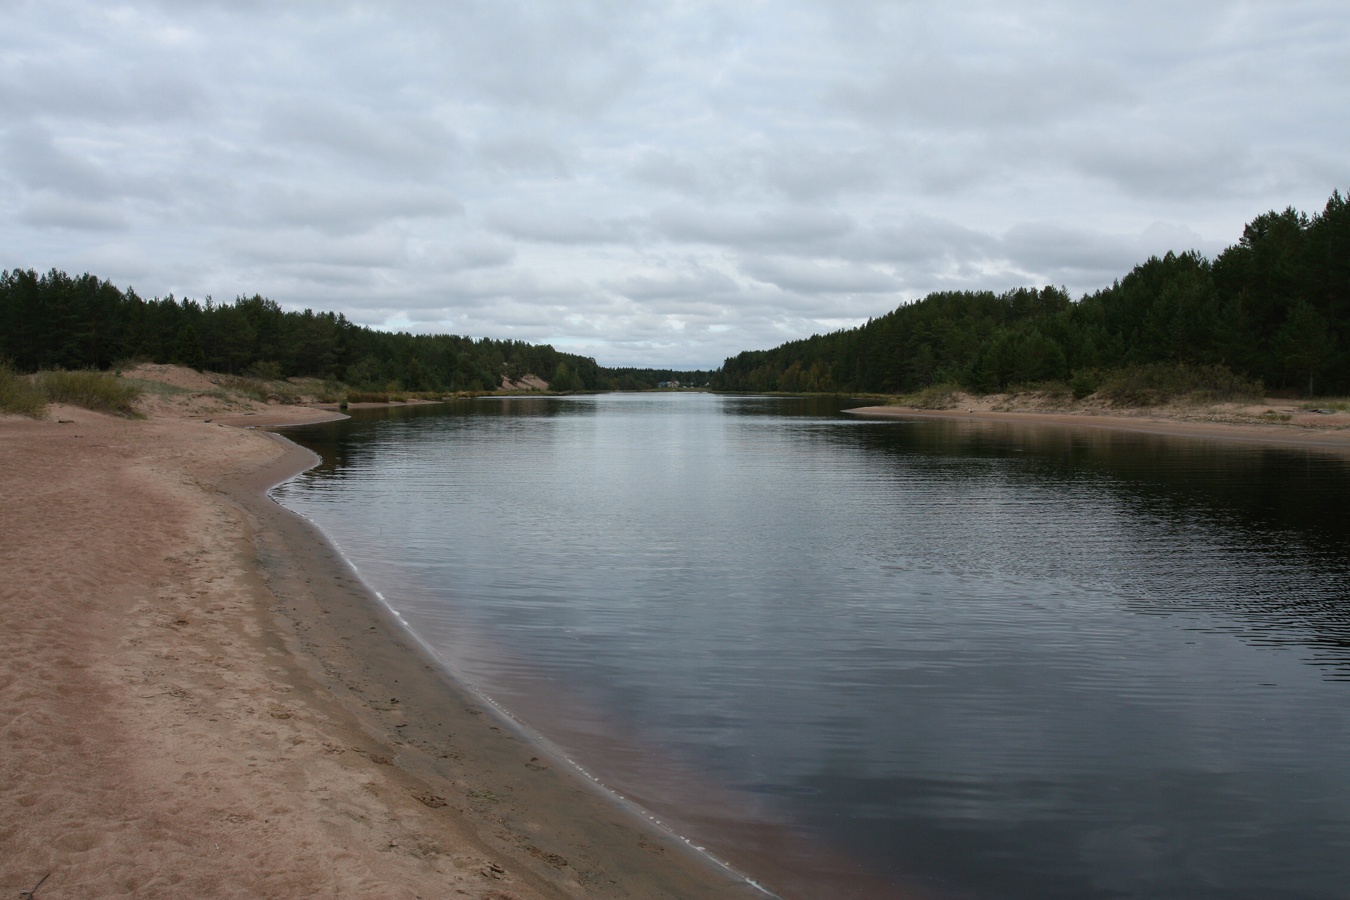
197 699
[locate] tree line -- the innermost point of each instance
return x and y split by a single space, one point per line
1273 308
59 321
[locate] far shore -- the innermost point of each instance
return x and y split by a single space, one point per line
1301 429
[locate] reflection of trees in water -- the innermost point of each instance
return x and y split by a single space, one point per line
1252 536
359 439
1269 526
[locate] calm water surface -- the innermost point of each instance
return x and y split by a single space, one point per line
959 660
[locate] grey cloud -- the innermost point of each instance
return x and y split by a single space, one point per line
45 211
1085 260
658 182
664 169
290 251
1164 166
678 282
306 278
942 92
917 240
349 210
50 90
807 174
557 225
392 143
794 227
813 277
566 58
522 153
1060 255
801 173
36 161
458 252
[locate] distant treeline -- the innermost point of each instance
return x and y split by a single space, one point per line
631 379
1274 308
56 321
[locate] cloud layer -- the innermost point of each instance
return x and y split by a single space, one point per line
652 183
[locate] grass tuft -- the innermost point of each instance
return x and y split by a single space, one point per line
18 396
263 390
935 396
92 390
1326 405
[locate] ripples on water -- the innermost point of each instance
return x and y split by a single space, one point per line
978 661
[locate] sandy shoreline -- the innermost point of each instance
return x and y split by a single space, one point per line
1331 435
199 698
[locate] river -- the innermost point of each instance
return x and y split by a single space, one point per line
925 658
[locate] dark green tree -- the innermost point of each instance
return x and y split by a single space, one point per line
1305 344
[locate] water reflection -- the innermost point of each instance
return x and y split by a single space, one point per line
1255 534
983 660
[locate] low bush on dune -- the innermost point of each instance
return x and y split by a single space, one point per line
374 397
262 390
1326 405
936 396
97 391
18 396
1052 392
1158 383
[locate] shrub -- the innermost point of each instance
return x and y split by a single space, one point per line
92 390
372 397
331 392
1326 405
18 395
935 396
1155 383
261 390
1057 391
1085 382
267 370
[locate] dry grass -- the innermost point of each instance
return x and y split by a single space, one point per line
1159 383
18 396
261 389
1326 405
936 396
97 391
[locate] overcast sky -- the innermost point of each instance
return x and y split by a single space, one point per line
653 183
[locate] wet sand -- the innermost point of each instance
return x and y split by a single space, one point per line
199 698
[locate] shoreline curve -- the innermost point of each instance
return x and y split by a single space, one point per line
434 688
199 697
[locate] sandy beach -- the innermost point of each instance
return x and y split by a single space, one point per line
198 698
1269 424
